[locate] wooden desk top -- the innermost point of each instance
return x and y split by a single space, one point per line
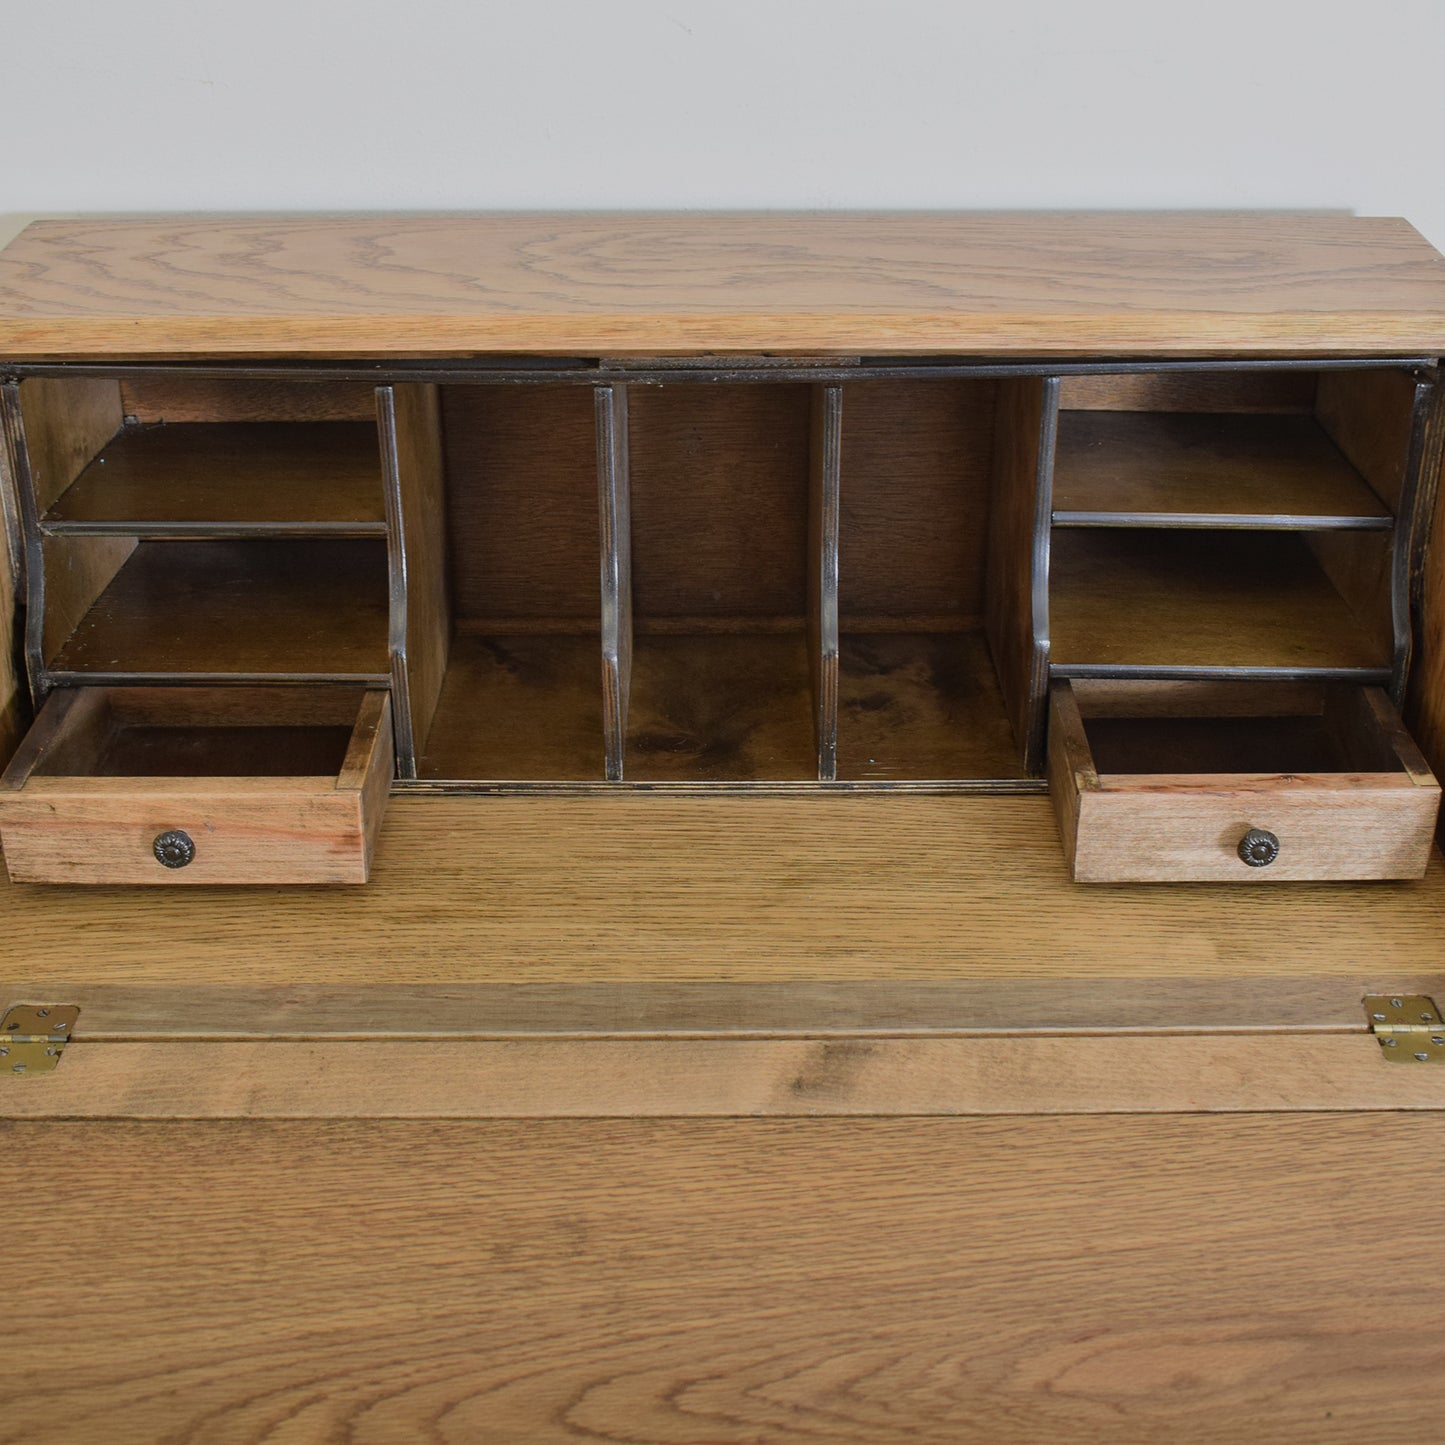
1045 284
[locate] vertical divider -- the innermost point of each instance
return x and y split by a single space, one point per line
615 537
823 508
1020 521
409 429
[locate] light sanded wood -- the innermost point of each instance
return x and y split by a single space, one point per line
1187 825
421 625
650 913
927 1282
1265 470
1199 599
1186 391
1031 284
693 1078
248 477
823 508
92 826
1017 602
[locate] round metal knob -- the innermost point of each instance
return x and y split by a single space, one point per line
1258 848
173 849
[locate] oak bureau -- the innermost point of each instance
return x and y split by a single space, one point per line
723 827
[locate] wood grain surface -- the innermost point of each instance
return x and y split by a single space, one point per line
1201 1280
237 607
922 705
398 285
262 478
700 1078
1237 470
628 913
519 708
1164 599
420 622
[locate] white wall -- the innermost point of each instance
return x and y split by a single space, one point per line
360 104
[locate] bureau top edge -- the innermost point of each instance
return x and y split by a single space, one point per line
982 284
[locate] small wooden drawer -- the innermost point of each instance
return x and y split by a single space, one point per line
1236 782
199 785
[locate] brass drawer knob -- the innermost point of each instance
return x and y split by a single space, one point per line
1258 848
173 849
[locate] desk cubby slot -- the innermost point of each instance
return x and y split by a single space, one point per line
1189 469
202 457
520 696
228 609
722 671
1128 601
920 698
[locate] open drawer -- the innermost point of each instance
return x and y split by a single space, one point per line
199 785
1236 782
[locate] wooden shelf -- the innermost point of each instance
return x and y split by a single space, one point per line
1154 469
518 708
232 609
229 479
1155 602
921 706
723 707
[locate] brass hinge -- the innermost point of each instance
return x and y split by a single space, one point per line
1408 1027
33 1035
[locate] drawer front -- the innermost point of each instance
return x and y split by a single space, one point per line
1194 833
1362 805
75 821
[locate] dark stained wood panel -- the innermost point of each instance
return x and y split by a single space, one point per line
518 708
1106 283
263 477
922 705
1279 471
721 708
521 495
915 482
196 397
1199 599
253 608
719 500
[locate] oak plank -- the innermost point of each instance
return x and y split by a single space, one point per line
906 1282
1031 284
652 913
699 1078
